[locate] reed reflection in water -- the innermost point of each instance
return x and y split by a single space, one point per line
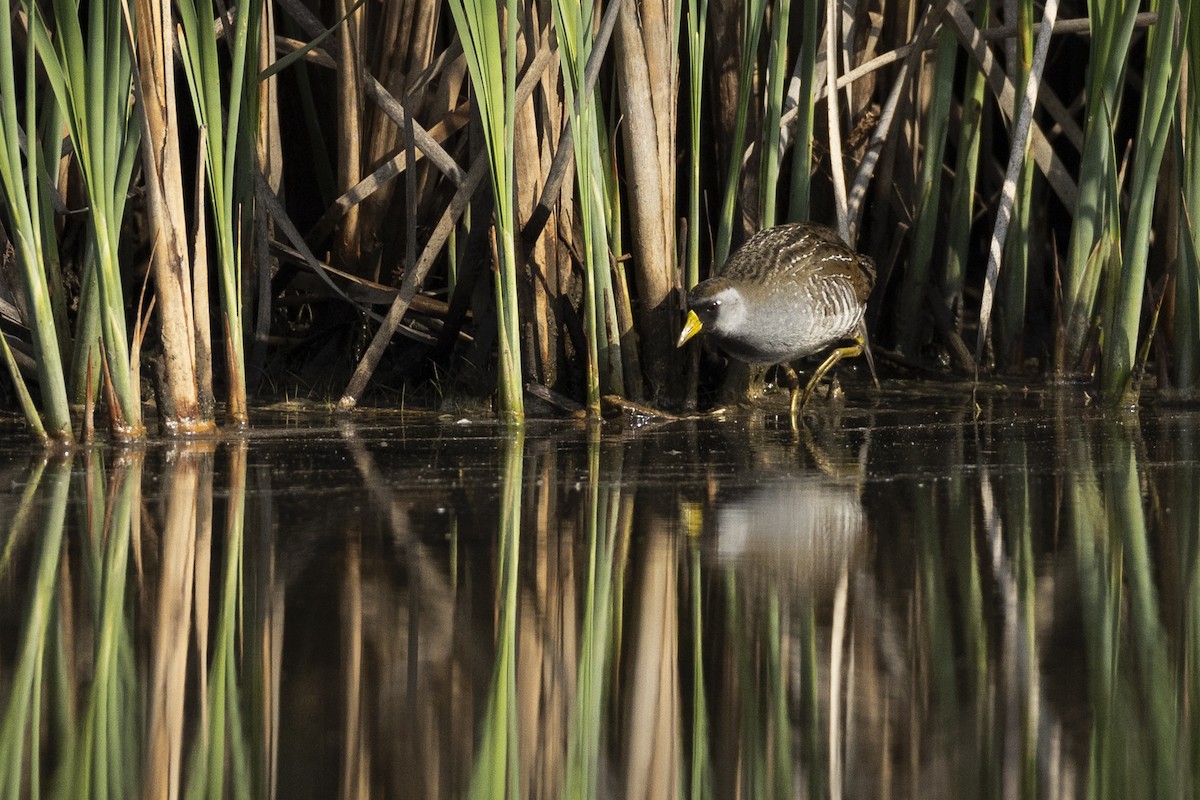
885 604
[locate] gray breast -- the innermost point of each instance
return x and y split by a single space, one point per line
786 326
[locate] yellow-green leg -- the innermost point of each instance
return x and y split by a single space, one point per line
793 381
849 351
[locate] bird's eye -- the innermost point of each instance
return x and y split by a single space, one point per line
713 305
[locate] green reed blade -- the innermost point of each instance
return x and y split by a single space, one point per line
1186 341
775 89
611 280
800 199
30 230
1010 321
935 127
493 79
230 161
1162 76
753 12
95 104
697 32
1112 31
960 212
1186 350
575 29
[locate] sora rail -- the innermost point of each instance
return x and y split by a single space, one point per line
789 292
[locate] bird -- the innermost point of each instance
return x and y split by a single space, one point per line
790 291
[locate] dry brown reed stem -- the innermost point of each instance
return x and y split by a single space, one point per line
415 276
374 90
866 169
349 77
402 48
170 265
646 78
563 156
1047 98
387 171
204 359
1048 161
269 157
269 202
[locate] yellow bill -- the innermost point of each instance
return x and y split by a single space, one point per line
690 328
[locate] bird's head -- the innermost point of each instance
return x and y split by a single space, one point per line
714 306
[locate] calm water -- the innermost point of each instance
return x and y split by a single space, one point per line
909 600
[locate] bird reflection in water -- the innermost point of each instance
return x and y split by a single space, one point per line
802 520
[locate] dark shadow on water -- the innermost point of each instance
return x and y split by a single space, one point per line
919 599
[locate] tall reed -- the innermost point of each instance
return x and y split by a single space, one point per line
1186 341
229 159
1010 323
935 130
492 64
575 24
805 82
961 208
185 402
774 89
1112 30
696 32
1164 70
753 13
26 207
91 81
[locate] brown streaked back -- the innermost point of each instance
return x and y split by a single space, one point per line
798 252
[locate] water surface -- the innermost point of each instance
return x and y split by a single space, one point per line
923 598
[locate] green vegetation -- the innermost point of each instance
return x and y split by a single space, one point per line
287 156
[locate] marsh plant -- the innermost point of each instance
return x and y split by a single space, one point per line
296 192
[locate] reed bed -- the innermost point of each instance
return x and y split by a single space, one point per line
1023 174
